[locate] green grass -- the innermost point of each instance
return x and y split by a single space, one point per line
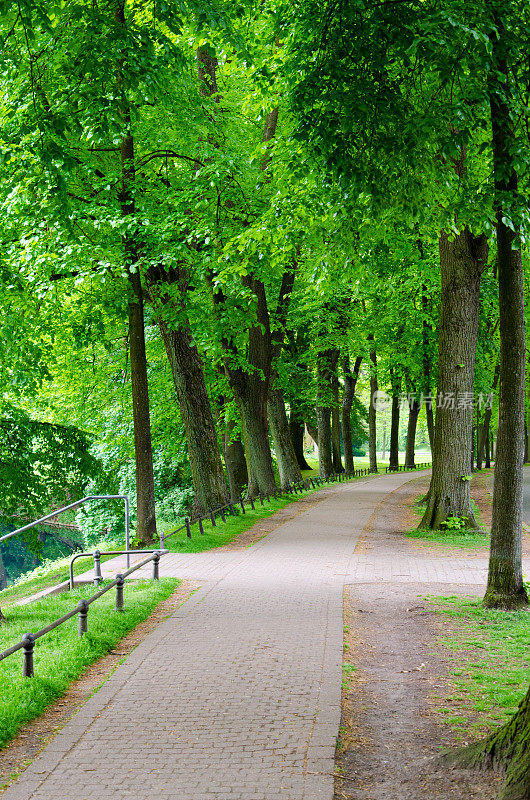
464 539
492 664
47 574
224 532
61 656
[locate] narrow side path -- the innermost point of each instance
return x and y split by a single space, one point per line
237 695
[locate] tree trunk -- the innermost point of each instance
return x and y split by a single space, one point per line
283 445
326 365
394 425
462 261
507 751
296 429
335 425
350 381
505 587
209 483
145 484
414 410
372 430
312 431
236 465
488 443
525 442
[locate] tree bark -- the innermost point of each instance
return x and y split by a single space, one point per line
209 483
145 484
414 411
236 465
281 436
335 425
312 431
372 430
296 429
326 365
507 750
505 587
462 261
350 382
395 381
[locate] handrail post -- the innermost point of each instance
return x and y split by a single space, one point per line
156 563
98 577
201 528
27 663
253 507
242 506
212 517
223 517
127 530
188 528
119 592
162 540
82 607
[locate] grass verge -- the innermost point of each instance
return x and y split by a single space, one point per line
491 667
48 574
61 656
465 539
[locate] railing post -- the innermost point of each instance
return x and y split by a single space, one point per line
242 506
27 663
162 540
223 517
253 507
82 607
261 498
231 508
156 564
212 517
188 528
201 529
97 568
119 592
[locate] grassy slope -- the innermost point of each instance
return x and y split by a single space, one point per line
61 656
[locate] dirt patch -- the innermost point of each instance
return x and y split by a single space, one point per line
34 736
390 738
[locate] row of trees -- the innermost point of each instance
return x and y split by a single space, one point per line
255 210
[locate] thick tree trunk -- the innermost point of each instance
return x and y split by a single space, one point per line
462 261
505 587
235 462
203 449
283 445
335 425
395 381
526 449
414 411
312 431
507 751
372 430
296 429
145 482
350 381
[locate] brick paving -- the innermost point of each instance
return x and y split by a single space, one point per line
237 695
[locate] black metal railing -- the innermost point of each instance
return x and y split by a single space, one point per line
405 467
229 508
27 644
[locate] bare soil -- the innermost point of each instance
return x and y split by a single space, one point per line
391 736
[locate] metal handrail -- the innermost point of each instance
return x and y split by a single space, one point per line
96 555
75 505
27 642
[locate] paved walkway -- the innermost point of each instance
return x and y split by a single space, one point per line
237 695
